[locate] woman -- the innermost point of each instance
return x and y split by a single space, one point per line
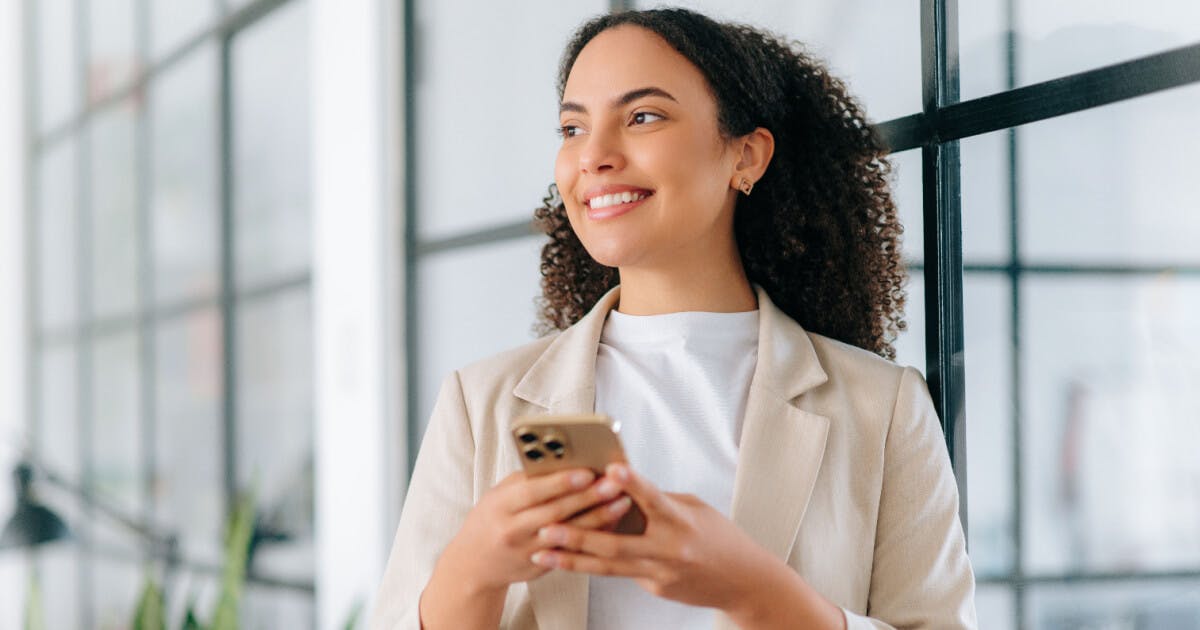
790 476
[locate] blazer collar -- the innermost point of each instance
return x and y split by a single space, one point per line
779 453
565 374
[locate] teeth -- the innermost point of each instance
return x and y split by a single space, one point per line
605 201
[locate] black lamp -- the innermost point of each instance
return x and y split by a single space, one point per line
33 523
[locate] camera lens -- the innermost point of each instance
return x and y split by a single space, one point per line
534 454
554 445
527 436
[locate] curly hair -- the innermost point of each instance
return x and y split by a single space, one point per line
820 233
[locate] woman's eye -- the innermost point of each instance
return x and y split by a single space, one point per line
567 131
640 117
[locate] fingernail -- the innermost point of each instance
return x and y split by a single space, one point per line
620 505
581 479
620 472
607 489
552 535
543 559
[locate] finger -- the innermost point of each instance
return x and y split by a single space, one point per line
650 499
582 563
537 490
563 507
600 544
602 516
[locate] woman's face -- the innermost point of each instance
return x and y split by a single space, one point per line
640 121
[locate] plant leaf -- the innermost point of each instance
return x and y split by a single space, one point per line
150 613
34 619
237 552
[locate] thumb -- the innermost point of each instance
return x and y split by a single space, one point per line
649 498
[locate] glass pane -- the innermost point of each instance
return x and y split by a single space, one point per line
266 608
58 415
995 608
906 191
472 304
1113 185
57 78
173 22
57 262
116 445
987 312
982 49
849 35
1136 605
1067 36
188 478
116 589
112 39
58 568
985 198
114 223
275 424
271 148
185 210
499 137
1109 372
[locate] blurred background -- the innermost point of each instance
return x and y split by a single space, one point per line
242 241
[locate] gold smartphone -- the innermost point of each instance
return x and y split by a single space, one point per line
551 443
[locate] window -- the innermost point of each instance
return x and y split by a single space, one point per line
170 277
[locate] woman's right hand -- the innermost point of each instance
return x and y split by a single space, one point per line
499 535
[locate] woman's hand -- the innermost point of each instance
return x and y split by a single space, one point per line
692 554
499 534
492 549
689 552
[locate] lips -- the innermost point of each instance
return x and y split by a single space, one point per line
616 208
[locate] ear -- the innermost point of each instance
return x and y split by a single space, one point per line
755 151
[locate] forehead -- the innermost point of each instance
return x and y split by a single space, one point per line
629 57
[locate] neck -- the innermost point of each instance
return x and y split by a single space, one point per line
718 285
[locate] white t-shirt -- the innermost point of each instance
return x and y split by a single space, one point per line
677 384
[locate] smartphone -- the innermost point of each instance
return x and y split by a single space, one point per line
551 443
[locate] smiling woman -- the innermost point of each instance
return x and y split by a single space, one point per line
723 278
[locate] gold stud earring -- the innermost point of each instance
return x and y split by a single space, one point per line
746 186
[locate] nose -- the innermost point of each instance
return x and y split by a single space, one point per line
601 152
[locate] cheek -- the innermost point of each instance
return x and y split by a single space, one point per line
565 172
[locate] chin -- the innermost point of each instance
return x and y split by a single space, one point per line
610 254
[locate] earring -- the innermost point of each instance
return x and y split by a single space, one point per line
746 186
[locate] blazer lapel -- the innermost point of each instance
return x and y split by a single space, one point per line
781 446
563 381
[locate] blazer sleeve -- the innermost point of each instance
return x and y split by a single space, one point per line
440 493
921 577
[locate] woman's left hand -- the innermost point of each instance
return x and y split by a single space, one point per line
689 552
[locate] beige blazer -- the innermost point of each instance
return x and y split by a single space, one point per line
842 472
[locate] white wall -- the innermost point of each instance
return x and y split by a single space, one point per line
12 294
355 69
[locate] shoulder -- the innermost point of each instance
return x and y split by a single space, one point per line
502 371
840 359
876 387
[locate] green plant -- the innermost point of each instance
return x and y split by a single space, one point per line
33 604
151 613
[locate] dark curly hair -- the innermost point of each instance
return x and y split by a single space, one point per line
820 233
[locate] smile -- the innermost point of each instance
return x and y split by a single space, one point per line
616 204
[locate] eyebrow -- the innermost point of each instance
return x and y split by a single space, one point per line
624 99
